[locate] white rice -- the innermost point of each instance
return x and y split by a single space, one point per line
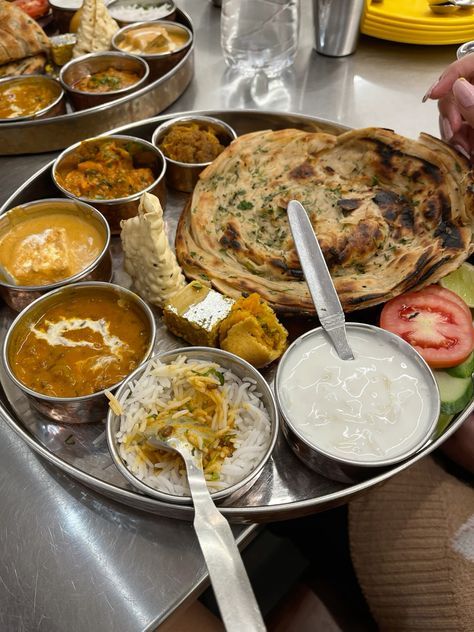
139 12
159 384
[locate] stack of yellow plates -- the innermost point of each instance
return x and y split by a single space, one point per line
413 22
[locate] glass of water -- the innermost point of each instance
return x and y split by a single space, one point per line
259 35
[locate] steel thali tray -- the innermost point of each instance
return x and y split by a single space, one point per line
286 488
58 132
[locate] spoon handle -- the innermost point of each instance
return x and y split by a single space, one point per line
315 270
230 582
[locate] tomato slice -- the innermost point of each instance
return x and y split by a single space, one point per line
439 329
448 295
34 8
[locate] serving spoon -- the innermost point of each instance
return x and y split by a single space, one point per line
234 594
315 270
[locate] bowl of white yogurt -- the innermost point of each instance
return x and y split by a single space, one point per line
343 418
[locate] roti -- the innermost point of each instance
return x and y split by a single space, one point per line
391 214
33 65
20 35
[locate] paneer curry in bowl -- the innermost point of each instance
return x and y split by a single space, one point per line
67 349
111 172
160 42
49 243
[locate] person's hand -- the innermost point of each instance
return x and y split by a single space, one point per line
460 447
454 91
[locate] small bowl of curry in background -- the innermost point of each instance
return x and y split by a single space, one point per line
70 347
50 243
161 43
102 77
111 173
30 97
190 144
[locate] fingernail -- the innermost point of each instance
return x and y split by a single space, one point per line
464 93
446 129
461 150
428 92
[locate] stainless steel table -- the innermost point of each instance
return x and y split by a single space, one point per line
71 560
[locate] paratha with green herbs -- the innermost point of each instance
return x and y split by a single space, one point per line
391 214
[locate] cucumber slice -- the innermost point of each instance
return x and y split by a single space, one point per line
443 422
465 369
455 392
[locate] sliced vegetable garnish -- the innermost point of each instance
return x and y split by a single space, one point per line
461 281
465 369
439 328
455 392
448 295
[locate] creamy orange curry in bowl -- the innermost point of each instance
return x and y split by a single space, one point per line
51 242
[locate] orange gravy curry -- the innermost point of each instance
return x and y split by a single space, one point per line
24 99
83 345
105 171
107 80
49 248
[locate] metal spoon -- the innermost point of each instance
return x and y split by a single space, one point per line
9 278
316 273
449 6
234 594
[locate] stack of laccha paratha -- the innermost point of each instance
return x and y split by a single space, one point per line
24 45
391 214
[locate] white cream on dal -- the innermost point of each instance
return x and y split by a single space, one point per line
367 409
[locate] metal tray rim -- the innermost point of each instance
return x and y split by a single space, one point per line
283 509
242 514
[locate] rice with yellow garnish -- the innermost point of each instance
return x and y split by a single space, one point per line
218 412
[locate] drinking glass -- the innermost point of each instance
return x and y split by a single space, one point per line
259 35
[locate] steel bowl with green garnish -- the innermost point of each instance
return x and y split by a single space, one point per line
102 77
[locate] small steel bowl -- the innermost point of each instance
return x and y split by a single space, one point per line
63 11
19 296
77 69
54 108
69 410
183 176
159 63
144 155
239 367
168 11
345 469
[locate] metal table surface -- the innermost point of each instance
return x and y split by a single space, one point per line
71 560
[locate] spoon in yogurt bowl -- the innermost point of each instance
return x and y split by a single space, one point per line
315 270
342 418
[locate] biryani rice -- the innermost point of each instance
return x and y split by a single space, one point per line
162 383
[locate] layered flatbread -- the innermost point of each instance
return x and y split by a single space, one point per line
391 214
20 36
33 65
